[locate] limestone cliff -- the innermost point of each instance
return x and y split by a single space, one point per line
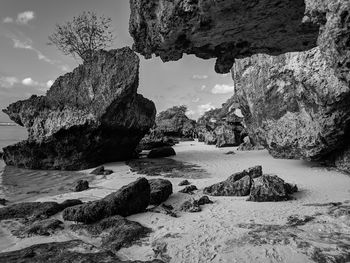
89 116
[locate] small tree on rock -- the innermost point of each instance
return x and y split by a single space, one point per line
82 36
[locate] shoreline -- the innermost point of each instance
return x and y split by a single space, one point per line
215 234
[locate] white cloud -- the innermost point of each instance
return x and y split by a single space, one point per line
49 83
223 89
201 109
24 17
195 100
199 76
203 87
29 82
7 20
8 82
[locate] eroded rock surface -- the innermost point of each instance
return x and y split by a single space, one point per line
296 105
225 29
161 189
90 116
130 199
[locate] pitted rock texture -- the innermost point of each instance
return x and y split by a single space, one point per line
224 30
88 117
295 105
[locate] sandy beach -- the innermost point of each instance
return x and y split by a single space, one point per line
231 229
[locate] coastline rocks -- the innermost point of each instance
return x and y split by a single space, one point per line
296 105
190 206
238 184
116 232
184 182
269 188
223 29
35 210
130 199
247 145
90 116
204 200
81 185
189 189
161 189
101 171
165 151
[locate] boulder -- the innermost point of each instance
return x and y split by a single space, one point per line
152 141
238 184
1 154
90 116
161 189
3 201
116 232
191 206
44 227
296 105
81 185
248 145
204 200
184 182
269 188
35 210
101 171
225 136
189 189
161 152
130 199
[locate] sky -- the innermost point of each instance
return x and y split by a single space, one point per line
29 66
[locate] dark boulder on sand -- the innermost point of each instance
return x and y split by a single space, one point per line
90 116
130 199
44 227
35 210
238 184
270 188
116 232
184 182
161 152
189 189
161 189
101 171
81 185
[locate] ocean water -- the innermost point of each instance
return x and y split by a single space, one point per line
18 185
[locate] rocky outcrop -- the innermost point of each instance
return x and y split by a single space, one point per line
238 184
165 151
130 199
222 126
296 105
270 188
88 117
81 185
161 189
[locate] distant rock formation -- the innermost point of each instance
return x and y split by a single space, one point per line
88 117
296 105
222 126
225 29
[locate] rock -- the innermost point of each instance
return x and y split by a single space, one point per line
174 122
74 251
238 184
247 145
290 188
225 136
35 210
204 200
161 189
190 206
44 227
1 154
184 182
90 116
161 152
189 189
116 232
230 153
101 171
268 188
296 105
130 199
170 29
163 209
81 185
3 201
154 140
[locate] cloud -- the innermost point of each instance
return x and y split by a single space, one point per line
190 112
201 109
64 68
195 100
7 20
49 83
29 82
199 77
203 87
8 82
24 17
223 89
